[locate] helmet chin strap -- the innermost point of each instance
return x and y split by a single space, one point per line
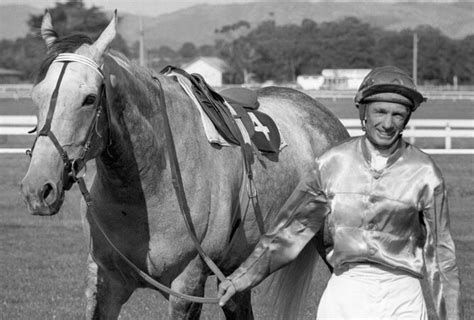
362 117
407 119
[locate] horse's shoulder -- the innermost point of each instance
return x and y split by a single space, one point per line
340 149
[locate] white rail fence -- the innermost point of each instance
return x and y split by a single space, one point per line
19 91
429 128
417 128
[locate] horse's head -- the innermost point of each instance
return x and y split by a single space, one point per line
72 115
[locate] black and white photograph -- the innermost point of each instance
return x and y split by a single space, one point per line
237 160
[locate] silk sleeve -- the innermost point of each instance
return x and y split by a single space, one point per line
440 259
300 218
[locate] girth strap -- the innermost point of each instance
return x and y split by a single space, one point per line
248 190
229 120
179 188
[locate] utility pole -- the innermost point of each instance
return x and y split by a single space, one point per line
142 61
415 58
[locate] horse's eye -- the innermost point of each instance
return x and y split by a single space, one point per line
90 99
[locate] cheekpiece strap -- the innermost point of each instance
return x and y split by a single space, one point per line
73 57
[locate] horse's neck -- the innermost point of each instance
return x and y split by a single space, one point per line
137 159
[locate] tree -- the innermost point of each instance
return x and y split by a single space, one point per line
284 52
234 28
235 48
348 43
23 54
435 56
73 17
463 66
26 54
188 50
207 50
395 48
283 46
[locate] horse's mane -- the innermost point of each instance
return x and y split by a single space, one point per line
60 45
137 82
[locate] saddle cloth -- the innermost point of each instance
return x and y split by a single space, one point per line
219 112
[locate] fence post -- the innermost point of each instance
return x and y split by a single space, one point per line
447 139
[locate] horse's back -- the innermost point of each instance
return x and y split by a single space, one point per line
306 125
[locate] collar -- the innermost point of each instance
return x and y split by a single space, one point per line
391 158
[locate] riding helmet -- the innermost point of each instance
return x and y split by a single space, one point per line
389 84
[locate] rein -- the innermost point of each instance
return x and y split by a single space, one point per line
89 202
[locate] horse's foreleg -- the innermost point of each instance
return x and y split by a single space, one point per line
105 293
192 282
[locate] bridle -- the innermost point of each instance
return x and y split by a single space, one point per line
71 167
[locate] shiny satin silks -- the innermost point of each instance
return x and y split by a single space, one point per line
397 217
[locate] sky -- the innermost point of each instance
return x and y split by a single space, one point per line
157 7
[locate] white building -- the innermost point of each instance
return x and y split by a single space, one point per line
310 82
343 79
212 69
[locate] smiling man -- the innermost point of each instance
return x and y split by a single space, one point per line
386 99
385 206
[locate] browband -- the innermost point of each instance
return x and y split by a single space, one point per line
73 57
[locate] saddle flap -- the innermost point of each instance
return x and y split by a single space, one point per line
242 97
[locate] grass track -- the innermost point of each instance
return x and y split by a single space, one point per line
43 258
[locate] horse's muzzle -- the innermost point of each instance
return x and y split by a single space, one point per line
45 200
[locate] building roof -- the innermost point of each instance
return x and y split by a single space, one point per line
10 72
216 62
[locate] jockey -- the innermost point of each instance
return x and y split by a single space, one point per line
387 214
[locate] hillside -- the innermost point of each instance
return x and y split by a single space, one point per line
197 24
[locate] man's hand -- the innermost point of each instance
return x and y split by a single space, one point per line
226 291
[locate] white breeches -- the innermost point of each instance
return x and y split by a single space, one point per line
366 291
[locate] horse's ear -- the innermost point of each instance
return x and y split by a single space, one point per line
47 32
106 37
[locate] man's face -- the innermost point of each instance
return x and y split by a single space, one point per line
385 123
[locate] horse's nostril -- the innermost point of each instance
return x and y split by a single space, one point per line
48 193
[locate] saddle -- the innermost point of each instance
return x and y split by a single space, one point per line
262 130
